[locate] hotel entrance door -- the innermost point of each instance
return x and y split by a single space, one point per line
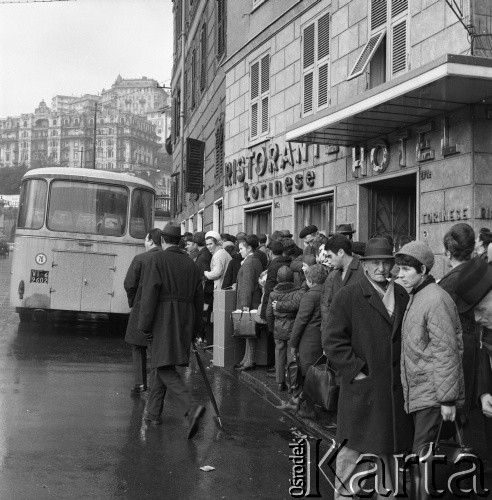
393 210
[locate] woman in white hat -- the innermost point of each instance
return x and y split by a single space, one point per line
220 259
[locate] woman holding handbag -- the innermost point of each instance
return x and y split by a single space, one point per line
305 340
248 292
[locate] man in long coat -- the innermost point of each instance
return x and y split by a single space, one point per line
362 340
170 316
133 288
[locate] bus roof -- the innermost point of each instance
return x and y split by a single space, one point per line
87 174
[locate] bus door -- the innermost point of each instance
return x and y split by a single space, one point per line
82 281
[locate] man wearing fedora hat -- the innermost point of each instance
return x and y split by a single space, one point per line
170 317
362 342
345 229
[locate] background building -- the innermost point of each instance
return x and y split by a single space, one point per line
372 112
198 86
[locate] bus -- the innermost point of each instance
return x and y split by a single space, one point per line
77 233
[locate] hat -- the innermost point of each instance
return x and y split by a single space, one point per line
420 251
474 282
285 274
345 229
286 233
171 229
308 230
213 234
378 248
226 244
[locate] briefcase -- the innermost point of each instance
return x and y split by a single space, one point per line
243 324
320 385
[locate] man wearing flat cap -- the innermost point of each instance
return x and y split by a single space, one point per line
170 317
363 342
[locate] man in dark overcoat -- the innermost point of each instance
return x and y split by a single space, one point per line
362 340
133 288
170 316
202 261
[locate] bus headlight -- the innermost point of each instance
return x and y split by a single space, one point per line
22 287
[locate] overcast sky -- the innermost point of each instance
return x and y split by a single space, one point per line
79 47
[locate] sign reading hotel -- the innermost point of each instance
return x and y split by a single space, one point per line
270 160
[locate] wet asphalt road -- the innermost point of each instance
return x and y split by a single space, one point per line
69 428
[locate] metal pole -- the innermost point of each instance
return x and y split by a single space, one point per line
81 157
95 130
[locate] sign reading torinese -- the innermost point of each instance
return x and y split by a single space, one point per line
269 160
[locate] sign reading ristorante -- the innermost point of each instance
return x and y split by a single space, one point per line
269 160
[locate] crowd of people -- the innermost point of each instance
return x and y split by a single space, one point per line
405 348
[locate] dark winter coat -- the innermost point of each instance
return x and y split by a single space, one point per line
262 257
334 284
133 287
362 337
202 261
230 275
271 280
248 291
172 306
484 384
281 323
306 333
471 340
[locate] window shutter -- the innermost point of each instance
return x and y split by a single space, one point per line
254 120
220 27
265 74
399 48
219 151
203 73
193 79
398 6
255 77
308 92
379 9
323 85
366 54
308 46
194 165
323 36
174 195
264 115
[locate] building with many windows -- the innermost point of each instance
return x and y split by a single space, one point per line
198 113
370 112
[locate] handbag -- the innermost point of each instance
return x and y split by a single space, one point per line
243 325
320 384
441 473
293 375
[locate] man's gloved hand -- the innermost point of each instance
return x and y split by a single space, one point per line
147 337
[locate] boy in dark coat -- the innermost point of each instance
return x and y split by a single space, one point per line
281 323
133 288
170 315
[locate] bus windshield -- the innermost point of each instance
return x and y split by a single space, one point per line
32 204
83 207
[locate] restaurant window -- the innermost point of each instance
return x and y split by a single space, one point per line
316 65
316 211
259 220
218 216
386 51
260 97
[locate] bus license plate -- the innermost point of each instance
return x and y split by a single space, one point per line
38 276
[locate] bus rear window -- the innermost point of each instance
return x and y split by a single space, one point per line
32 204
141 213
80 207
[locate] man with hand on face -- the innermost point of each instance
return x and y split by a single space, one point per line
363 342
346 270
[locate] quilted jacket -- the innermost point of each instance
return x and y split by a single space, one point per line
281 323
432 350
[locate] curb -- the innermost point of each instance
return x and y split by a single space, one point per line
262 390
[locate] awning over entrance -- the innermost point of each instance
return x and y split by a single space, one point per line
440 87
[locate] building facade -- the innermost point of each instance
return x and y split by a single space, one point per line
198 107
370 112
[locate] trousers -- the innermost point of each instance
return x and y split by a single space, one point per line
282 357
164 378
139 357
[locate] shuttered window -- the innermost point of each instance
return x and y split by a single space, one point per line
260 97
316 65
203 51
389 26
193 79
221 27
195 163
219 149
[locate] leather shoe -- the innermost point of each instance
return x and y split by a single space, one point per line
281 387
195 416
153 420
246 368
137 389
237 365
